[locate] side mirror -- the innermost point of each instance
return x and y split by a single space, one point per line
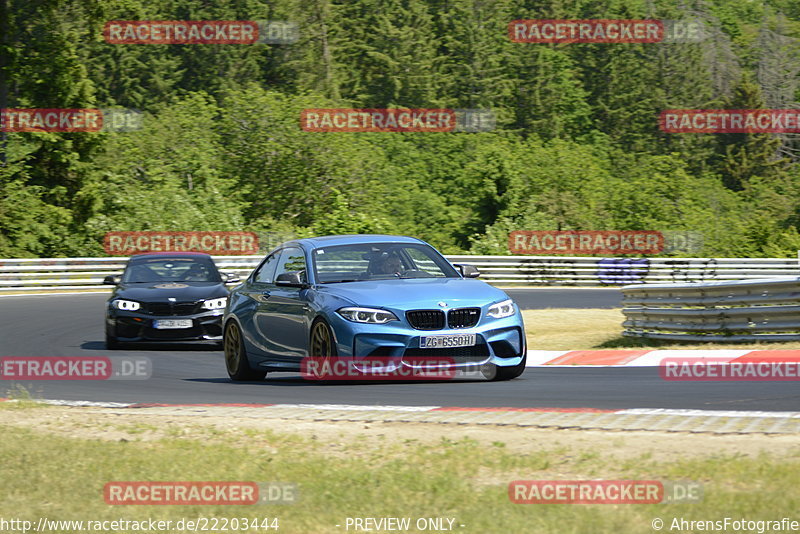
230 278
111 280
292 279
468 271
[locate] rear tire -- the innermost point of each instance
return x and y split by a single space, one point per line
236 361
508 373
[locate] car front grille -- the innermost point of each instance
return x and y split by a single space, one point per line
463 317
183 333
459 355
435 319
172 308
426 319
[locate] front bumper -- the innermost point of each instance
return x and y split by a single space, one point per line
498 341
133 327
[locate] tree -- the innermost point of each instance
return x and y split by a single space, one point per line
778 75
743 156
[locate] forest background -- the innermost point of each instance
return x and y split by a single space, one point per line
576 145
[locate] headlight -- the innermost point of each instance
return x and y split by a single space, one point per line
367 315
502 309
215 304
128 305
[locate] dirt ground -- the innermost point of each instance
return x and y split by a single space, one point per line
332 437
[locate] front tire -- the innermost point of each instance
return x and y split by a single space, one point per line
508 373
236 361
111 342
321 344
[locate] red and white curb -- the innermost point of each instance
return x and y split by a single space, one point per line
631 419
653 358
398 408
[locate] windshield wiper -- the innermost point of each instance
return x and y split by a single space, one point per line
341 281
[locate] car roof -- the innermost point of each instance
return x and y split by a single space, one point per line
332 240
157 255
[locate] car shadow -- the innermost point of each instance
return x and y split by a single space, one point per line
180 347
281 381
295 380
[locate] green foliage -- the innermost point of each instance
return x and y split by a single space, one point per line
339 218
577 144
743 156
29 226
167 176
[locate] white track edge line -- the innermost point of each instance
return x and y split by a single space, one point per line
367 408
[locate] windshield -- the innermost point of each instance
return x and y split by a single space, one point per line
376 261
171 270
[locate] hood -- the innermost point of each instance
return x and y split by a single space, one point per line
162 291
416 293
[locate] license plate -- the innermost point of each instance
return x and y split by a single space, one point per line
452 340
169 324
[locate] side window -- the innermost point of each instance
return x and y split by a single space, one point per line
292 260
266 273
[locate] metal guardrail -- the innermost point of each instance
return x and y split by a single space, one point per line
593 271
83 273
86 273
749 310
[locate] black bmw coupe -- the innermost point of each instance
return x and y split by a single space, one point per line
167 297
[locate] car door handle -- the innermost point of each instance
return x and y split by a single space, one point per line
262 297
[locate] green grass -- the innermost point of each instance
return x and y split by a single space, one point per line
20 399
58 477
589 328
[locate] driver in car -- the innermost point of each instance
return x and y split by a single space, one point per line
391 265
196 273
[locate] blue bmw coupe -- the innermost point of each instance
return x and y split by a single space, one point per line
368 296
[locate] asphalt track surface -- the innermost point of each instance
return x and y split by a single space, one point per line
72 325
